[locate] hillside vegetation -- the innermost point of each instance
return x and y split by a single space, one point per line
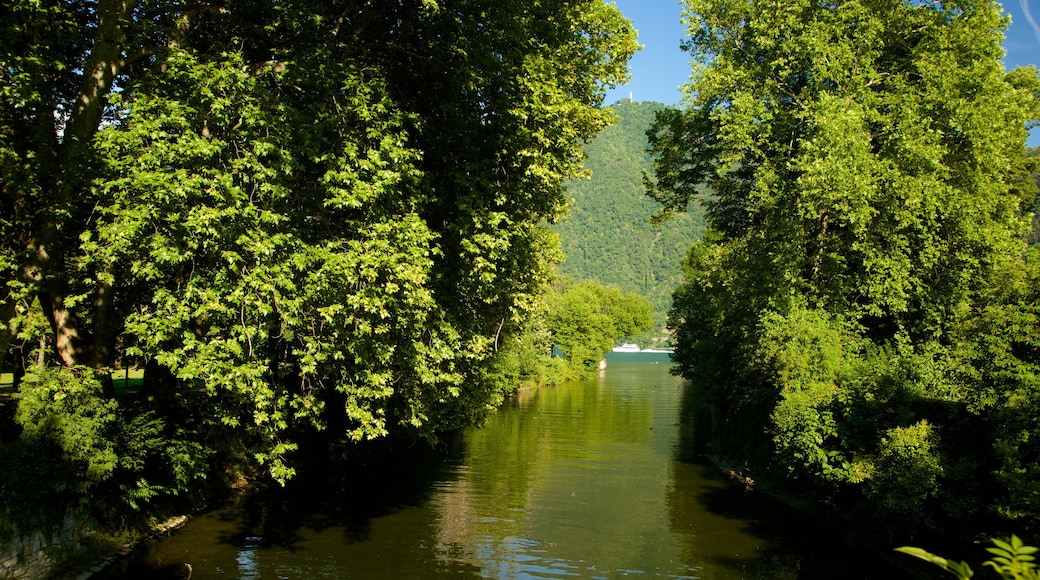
608 236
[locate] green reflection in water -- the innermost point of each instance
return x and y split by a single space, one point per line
584 479
592 479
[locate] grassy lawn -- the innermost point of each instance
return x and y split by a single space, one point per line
121 379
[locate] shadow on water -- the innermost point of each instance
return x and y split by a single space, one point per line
812 548
348 498
331 508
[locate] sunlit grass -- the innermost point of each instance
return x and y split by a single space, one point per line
131 378
121 378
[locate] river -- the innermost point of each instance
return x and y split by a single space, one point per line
590 479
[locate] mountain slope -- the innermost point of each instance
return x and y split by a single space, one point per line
608 236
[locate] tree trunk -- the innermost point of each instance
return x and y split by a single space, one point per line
48 269
102 353
7 312
160 382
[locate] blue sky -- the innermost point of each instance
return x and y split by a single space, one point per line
661 67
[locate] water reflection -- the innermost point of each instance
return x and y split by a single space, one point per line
595 479
248 568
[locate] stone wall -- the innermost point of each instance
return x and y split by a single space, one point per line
25 555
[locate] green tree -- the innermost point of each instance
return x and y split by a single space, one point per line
1033 158
588 318
322 214
583 320
862 167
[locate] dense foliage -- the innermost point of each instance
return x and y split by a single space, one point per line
587 319
297 215
608 235
862 314
574 324
1033 163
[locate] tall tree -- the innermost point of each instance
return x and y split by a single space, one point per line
863 164
323 212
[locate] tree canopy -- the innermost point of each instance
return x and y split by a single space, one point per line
572 327
860 300
315 213
587 319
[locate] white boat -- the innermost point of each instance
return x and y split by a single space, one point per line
627 347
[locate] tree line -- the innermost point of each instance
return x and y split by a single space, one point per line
861 319
301 218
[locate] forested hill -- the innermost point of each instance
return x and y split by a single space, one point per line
608 236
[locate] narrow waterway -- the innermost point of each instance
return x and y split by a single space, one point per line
593 479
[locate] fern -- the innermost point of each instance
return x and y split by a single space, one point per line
1012 559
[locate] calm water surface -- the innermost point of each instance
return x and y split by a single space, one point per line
593 479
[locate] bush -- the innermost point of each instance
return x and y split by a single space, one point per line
81 447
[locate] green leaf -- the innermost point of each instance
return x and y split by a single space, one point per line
959 569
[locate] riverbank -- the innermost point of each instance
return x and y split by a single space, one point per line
104 559
77 548
740 477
